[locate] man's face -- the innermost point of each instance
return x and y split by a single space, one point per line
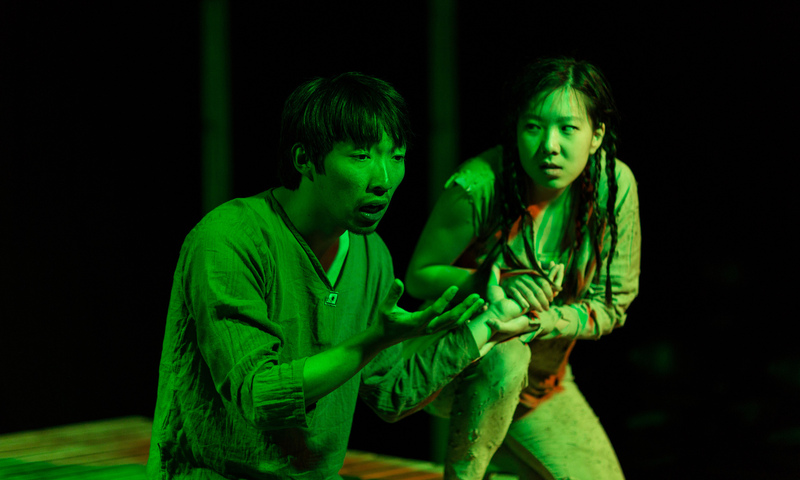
358 184
555 138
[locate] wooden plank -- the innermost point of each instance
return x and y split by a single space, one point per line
13 469
106 449
118 448
129 429
111 442
130 448
369 466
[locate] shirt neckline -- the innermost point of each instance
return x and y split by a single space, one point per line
321 273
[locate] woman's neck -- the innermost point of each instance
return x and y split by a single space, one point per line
540 199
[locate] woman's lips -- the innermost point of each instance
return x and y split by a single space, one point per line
550 169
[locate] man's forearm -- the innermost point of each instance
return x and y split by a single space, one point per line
328 370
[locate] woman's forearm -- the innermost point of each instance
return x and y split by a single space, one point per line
428 283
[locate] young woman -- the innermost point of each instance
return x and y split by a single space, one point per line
549 219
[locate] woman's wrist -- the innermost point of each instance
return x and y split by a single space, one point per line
481 330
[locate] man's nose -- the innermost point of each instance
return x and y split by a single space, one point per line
381 181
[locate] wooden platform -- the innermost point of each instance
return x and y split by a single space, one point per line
117 449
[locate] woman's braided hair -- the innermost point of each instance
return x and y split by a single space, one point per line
534 79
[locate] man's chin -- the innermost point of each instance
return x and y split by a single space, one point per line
363 230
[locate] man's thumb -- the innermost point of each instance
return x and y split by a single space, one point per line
395 292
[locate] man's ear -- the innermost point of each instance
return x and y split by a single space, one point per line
302 161
597 138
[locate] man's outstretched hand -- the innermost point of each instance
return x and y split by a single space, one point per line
398 324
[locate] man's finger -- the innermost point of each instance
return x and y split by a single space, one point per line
441 303
395 292
456 315
476 307
468 306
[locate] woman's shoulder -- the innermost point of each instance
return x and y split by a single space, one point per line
624 173
627 188
626 182
478 172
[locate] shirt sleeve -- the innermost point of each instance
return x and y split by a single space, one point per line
404 378
590 317
477 179
227 278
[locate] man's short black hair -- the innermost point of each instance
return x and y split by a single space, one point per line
349 107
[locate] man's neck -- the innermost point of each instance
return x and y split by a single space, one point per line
300 209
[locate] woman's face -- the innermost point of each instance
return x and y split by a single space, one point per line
555 138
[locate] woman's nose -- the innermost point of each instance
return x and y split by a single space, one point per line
550 144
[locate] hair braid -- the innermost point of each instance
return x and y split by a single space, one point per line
611 202
594 222
513 206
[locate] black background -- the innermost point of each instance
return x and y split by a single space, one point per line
100 152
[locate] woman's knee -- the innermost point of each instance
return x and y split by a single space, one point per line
506 364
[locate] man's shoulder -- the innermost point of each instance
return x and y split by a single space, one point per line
239 210
237 218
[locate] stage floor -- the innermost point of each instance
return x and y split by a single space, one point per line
117 449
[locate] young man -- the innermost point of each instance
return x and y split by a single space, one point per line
284 305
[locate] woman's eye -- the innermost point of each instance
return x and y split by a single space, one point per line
532 127
399 158
569 128
361 157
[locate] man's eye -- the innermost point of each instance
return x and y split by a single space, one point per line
361 156
400 158
532 127
569 128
